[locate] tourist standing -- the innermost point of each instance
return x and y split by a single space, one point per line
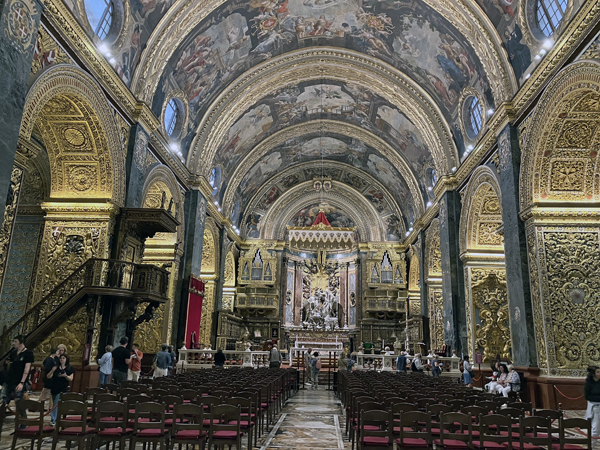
307 365
135 363
592 395
173 359
401 362
417 364
343 362
436 369
274 358
467 372
121 361
316 368
219 358
61 376
47 366
21 360
162 361
105 363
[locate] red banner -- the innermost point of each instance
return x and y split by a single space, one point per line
194 311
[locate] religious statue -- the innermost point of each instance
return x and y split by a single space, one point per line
322 311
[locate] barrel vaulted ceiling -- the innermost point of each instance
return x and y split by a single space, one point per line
369 93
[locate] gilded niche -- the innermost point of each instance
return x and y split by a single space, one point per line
436 318
490 307
572 305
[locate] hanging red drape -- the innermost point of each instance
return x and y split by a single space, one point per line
194 311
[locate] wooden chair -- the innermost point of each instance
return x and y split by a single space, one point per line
533 433
246 422
571 437
29 427
149 424
362 406
71 424
225 426
72 396
491 435
455 431
415 430
374 431
435 411
188 425
111 424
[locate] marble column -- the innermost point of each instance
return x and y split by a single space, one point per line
344 292
223 246
282 262
423 274
135 166
453 288
298 295
191 261
19 23
515 250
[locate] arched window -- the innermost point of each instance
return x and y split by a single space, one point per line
550 14
171 115
100 16
475 115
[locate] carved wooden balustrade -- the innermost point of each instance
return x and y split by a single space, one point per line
145 283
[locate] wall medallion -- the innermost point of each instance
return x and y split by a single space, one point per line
21 24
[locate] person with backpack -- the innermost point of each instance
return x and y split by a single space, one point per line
316 368
417 364
401 362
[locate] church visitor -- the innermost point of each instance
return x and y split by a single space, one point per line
315 368
592 395
513 381
307 366
401 362
274 358
121 361
343 362
436 368
21 360
163 361
171 351
219 358
47 366
417 364
467 372
135 363
494 377
61 376
105 366
497 386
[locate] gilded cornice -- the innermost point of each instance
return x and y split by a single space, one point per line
570 214
483 259
144 115
60 16
354 203
327 127
83 211
184 15
158 144
395 208
317 64
26 150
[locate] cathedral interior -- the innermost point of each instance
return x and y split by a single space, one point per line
421 174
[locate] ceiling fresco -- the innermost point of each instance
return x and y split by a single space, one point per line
239 34
346 102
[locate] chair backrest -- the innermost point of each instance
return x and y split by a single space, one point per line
523 406
29 420
187 416
455 426
245 403
153 413
188 394
225 418
127 383
158 394
374 423
419 422
535 431
170 400
90 392
489 405
398 408
111 414
126 392
111 387
551 414
74 396
457 404
208 401
437 409
570 432
77 412
423 403
513 413
491 427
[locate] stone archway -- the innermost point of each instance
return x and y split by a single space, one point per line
482 253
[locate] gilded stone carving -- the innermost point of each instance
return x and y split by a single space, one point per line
433 249
149 334
487 234
8 221
566 303
578 133
491 314
71 333
47 52
567 175
209 264
436 317
229 277
205 333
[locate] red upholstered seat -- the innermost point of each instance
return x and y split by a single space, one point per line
169 422
451 444
28 431
396 430
190 434
76 431
225 434
489 445
568 447
369 427
542 435
376 440
206 422
151 432
412 443
243 423
114 431
515 435
526 446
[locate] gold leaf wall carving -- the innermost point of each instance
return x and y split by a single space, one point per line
229 275
149 335
209 264
436 317
8 221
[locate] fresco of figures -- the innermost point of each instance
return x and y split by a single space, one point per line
238 35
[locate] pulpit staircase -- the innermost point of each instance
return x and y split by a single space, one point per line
96 277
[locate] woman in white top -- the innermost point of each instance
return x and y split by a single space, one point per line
105 364
467 370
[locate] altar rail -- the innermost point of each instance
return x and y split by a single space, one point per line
191 359
388 362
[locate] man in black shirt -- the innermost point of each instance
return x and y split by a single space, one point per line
47 365
120 361
16 379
